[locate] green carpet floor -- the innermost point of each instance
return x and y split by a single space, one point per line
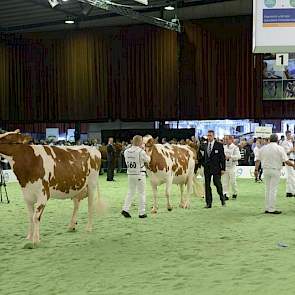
232 250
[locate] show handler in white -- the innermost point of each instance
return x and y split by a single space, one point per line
287 144
232 155
271 157
136 158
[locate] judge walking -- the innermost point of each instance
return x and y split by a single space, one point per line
213 161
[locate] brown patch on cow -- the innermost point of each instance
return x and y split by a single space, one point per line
27 166
179 171
15 138
40 210
70 170
48 151
95 163
40 207
158 162
174 167
181 156
45 189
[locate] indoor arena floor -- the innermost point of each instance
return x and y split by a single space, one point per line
232 250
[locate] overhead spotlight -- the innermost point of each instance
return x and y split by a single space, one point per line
53 3
69 21
169 7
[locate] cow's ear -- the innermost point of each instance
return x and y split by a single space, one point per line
26 139
150 142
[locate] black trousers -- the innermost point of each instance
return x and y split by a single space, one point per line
110 172
260 171
208 190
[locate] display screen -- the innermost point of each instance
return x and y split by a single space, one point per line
278 84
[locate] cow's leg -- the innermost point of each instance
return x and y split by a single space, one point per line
168 194
30 207
40 206
73 223
92 191
189 187
155 198
181 204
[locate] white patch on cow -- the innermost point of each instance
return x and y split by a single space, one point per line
48 161
33 191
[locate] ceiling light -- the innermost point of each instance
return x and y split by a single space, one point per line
53 3
69 21
169 7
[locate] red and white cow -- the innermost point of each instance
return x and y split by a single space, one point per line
47 172
170 164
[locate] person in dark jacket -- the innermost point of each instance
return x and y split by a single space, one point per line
110 159
213 161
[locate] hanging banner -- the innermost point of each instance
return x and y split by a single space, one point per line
273 26
263 132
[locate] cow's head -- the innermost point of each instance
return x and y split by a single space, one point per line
148 142
14 137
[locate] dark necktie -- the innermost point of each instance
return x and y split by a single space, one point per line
209 149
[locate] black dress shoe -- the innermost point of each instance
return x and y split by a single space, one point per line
208 206
289 195
126 214
234 197
273 212
142 216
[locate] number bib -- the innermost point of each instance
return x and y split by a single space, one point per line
132 162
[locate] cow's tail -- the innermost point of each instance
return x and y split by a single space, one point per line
100 204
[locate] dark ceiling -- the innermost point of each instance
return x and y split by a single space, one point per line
38 15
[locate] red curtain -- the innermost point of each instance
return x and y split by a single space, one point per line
135 73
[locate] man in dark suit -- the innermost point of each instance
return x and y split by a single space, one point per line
110 159
213 160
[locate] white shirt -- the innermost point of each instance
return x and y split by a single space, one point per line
288 145
135 157
272 156
233 152
256 152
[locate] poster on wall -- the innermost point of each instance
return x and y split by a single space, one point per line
279 77
273 26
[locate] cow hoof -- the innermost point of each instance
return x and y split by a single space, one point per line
72 229
181 205
154 211
169 209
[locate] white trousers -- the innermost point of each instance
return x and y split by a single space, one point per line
271 179
290 179
229 181
136 183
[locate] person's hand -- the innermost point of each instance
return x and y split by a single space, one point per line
222 172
